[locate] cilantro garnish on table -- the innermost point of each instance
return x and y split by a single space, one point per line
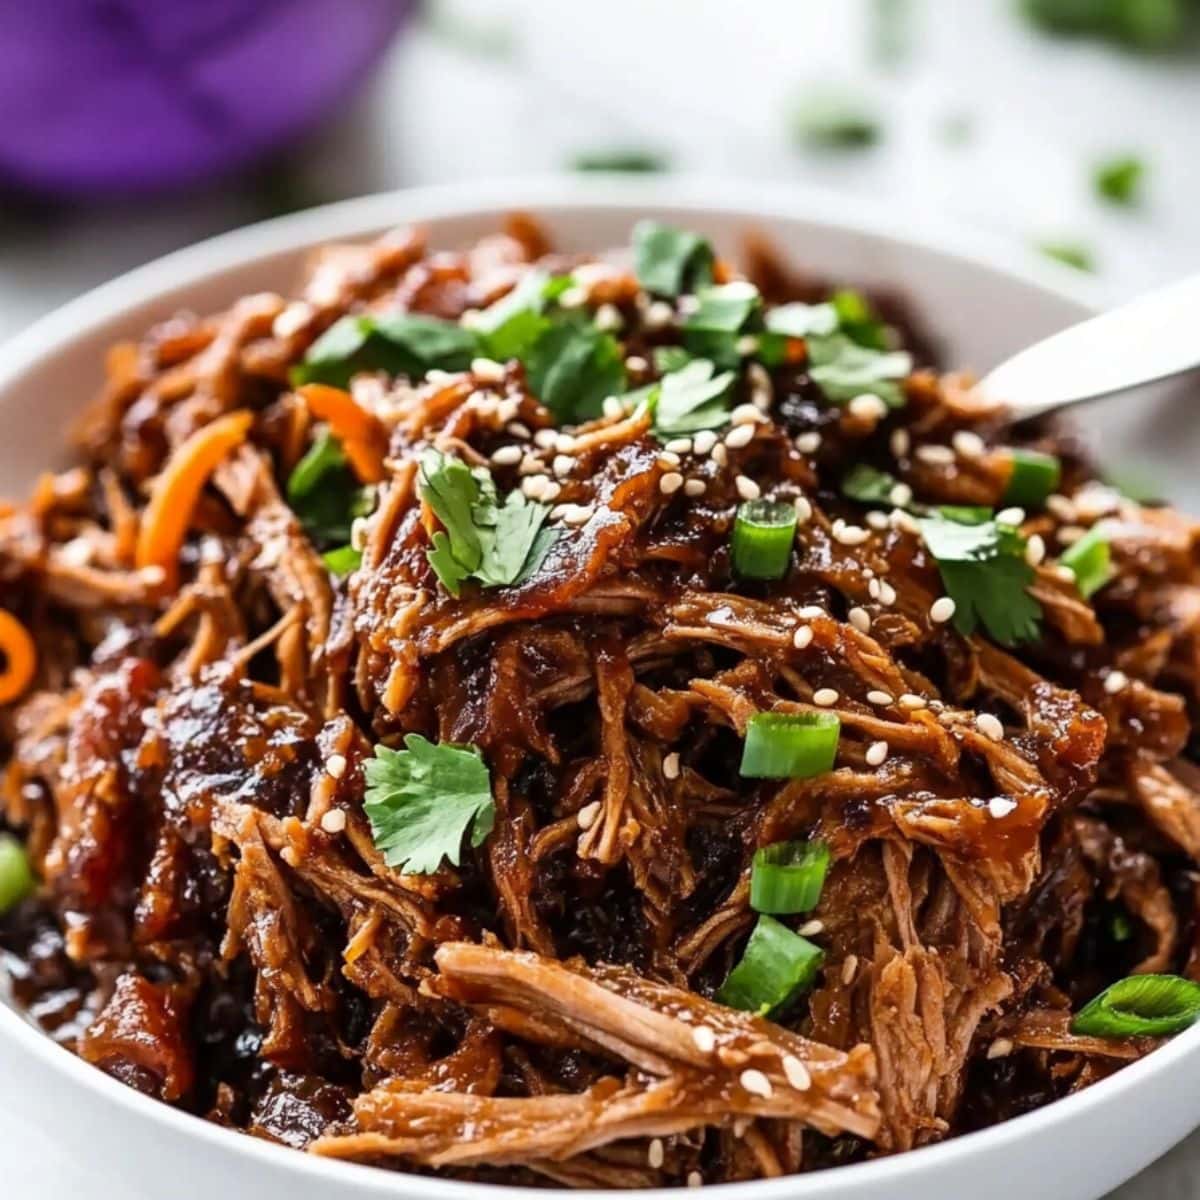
494 543
425 800
983 569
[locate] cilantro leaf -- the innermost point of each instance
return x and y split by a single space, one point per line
508 328
633 161
984 572
324 494
803 320
843 369
1119 180
857 320
572 368
422 802
722 314
398 343
496 544
342 561
867 485
670 358
670 261
692 398
834 118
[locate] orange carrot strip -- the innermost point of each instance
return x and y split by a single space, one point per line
176 491
362 436
20 657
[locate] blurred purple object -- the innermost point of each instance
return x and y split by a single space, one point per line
112 96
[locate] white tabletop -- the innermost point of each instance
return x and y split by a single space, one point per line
506 86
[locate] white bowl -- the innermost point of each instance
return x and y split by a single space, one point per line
1077 1149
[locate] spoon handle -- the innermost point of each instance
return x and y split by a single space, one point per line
1150 338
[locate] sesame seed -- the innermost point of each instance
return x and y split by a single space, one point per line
334 821
1061 507
608 318
739 436
563 465
808 443
573 297
902 520
1035 550
508 456
564 443
1063 573
761 390
877 753
803 510
797 1073
745 414
810 611
359 532
695 487
968 444
747 488
335 765
887 593
577 514
1010 516
1001 806
695 1179
941 456
877 520
756 1083
154 574
704 441
679 446
719 454
654 1155
519 429
990 726
534 486
659 315
867 407
825 697
849 967
670 458
1000 1048
746 345
860 619
900 496
900 443
671 766
636 363
941 610
875 696
1068 534
911 701
545 438
849 535
811 928
612 408
704 1038
587 815
802 637
487 370
670 483
873 588
1115 681
1095 500
551 491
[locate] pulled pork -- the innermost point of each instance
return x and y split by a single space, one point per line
215 925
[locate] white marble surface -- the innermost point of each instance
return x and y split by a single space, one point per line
707 81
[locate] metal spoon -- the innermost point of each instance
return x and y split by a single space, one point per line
1148 339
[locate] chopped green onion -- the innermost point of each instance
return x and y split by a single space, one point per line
1071 254
16 879
787 877
789 745
776 966
1140 1006
342 561
1034 476
1090 559
762 539
1119 180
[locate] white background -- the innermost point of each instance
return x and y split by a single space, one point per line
500 87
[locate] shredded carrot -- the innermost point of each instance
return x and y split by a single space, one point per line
177 489
20 657
362 436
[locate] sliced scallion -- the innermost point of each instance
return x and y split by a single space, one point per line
762 539
1034 476
775 968
789 745
1090 559
787 877
16 879
1140 1006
